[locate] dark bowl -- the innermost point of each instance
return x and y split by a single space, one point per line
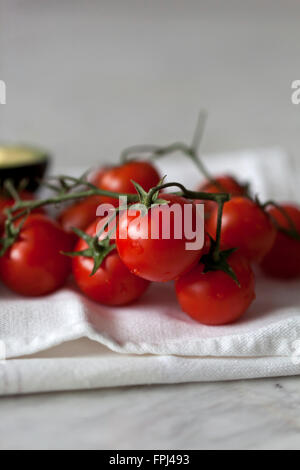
23 163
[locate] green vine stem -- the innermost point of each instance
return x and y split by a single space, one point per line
22 209
216 253
219 198
94 191
292 231
190 151
187 193
32 205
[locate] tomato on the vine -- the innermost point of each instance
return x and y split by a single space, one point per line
213 297
118 179
34 265
221 184
246 226
96 175
112 283
7 202
162 257
224 184
283 260
80 214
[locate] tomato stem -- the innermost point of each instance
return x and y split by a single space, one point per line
216 197
292 231
216 254
190 151
65 191
31 205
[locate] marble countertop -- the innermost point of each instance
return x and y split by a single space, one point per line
253 414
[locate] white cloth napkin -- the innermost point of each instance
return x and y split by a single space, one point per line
152 341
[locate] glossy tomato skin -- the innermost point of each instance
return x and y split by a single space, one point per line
97 174
118 179
33 265
244 226
156 259
113 283
226 184
283 260
81 214
213 298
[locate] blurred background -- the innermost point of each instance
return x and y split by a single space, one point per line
88 78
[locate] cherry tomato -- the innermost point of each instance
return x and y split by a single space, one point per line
81 214
244 226
224 184
214 298
118 179
97 174
283 260
113 283
34 265
161 257
6 202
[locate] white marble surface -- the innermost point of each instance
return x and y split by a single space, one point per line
254 414
88 78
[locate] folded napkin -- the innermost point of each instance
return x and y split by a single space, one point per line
153 341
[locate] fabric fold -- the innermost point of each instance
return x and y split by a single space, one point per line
153 341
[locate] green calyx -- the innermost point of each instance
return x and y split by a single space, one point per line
11 234
97 250
217 260
148 199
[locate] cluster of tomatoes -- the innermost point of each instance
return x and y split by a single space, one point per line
212 286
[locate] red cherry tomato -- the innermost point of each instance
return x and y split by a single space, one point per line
223 184
6 202
244 226
81 214
118 179
214 298
97 174
34 265
160 257
113 283
283 260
